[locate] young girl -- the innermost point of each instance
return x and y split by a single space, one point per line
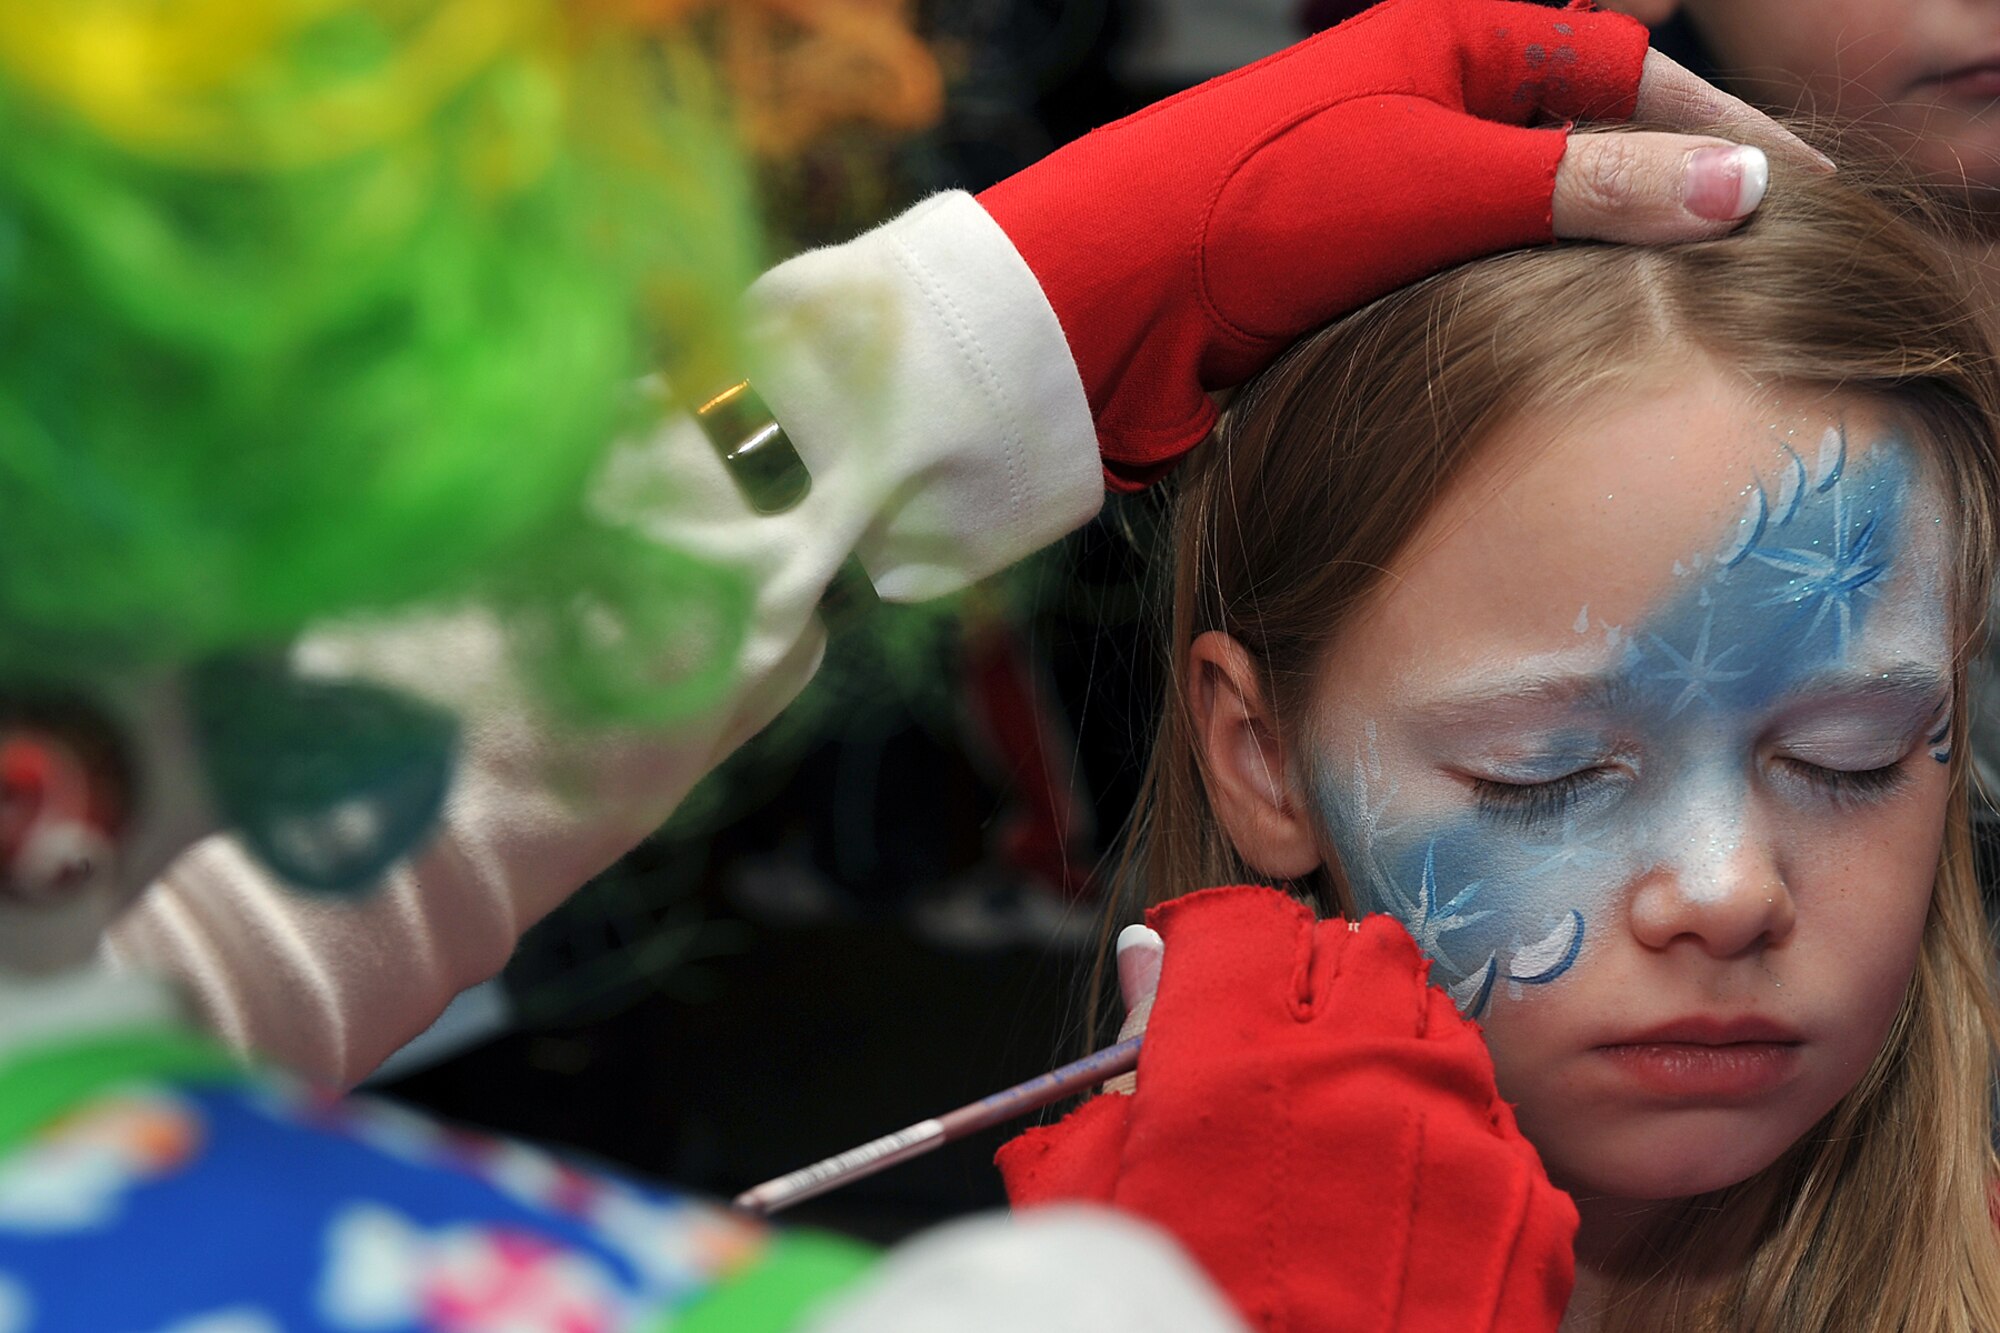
1601 616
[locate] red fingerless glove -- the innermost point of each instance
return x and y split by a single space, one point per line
1185 246
1320 1129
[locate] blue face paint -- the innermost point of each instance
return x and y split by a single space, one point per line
1652 761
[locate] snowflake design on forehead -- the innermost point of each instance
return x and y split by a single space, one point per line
1829 580
1824 575
1695 669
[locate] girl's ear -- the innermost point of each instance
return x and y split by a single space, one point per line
1652 13
1243 761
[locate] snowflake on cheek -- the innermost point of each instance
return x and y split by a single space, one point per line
1375 791
1569 853
1551 956
1473 993
1428 920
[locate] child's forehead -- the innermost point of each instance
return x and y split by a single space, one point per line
1597 517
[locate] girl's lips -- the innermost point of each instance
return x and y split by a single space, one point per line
1686 1071
1707 1059
1710 1030
1980 80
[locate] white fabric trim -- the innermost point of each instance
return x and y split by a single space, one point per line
927 373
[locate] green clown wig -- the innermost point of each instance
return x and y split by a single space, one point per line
321 308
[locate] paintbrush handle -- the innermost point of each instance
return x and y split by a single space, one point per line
1076 1076
812 1181
922 1137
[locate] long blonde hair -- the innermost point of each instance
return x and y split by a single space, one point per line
1326 464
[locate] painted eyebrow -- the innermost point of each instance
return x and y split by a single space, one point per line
1904 678
1607 693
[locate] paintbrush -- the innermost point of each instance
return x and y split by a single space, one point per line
922 1137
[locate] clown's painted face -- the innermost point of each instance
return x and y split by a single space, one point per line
1647 742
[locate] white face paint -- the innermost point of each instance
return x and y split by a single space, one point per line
1651 729
1798 629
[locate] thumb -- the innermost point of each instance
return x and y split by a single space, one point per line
1656 189
1140 952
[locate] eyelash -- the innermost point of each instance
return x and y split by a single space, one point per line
1534 804
1852 787
1531 804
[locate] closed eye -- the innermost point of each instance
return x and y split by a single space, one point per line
1529 805
1850 787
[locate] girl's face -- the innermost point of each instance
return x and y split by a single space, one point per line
1646 741
1922 74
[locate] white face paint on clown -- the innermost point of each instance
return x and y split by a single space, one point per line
1645 741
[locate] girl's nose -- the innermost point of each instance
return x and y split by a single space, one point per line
1728 899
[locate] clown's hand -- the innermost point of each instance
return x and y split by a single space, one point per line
1184 247
1321 1131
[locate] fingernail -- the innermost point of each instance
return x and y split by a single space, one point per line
1725 184
1140 950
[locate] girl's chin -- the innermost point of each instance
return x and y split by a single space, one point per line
1659 1172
